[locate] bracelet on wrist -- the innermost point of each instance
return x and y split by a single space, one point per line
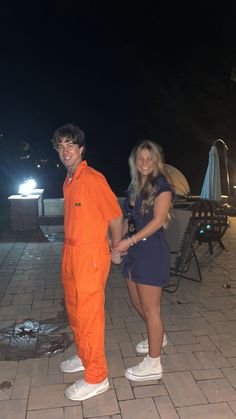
132 241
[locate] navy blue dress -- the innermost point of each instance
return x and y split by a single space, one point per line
148 262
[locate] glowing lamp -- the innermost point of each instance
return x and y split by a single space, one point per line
27 187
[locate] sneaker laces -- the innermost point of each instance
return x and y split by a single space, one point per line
80 383
72 358
142 365
144 343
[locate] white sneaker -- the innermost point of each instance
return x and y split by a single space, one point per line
73 364
143 348
81 390
146 370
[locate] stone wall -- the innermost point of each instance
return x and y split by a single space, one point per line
55 207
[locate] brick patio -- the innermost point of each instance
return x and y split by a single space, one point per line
199 380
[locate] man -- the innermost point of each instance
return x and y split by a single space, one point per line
90 209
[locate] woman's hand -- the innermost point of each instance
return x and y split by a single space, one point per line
122 246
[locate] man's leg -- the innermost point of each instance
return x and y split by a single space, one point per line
69 286
74 363
90 285
90 313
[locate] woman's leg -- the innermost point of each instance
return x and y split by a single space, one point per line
134 297
150 300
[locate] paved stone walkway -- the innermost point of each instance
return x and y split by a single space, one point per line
199 380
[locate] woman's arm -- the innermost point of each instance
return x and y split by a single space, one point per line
162 205
124 228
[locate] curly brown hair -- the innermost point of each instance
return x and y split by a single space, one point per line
71 133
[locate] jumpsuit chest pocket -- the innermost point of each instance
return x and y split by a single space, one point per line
78 208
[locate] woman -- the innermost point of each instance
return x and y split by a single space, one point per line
146 264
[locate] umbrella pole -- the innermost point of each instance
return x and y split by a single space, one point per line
226 149
227 172
229 209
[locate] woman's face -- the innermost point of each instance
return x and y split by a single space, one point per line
144 162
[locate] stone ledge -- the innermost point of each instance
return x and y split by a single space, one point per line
52 220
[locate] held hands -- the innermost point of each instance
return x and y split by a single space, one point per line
122 246
115 256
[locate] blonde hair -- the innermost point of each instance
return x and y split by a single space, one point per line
149 188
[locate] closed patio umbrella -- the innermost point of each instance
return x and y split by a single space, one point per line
211 188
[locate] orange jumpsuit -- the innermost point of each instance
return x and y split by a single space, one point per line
89 206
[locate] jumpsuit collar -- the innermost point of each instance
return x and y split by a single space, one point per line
81 166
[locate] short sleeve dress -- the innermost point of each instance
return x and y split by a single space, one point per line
148 262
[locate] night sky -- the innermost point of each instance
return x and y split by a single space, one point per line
123 73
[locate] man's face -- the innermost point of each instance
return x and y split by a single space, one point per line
69 153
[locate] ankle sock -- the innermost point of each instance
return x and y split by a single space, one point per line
154 361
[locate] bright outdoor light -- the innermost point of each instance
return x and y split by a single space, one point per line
27 187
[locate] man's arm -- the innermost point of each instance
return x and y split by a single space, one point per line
125 228
115 227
